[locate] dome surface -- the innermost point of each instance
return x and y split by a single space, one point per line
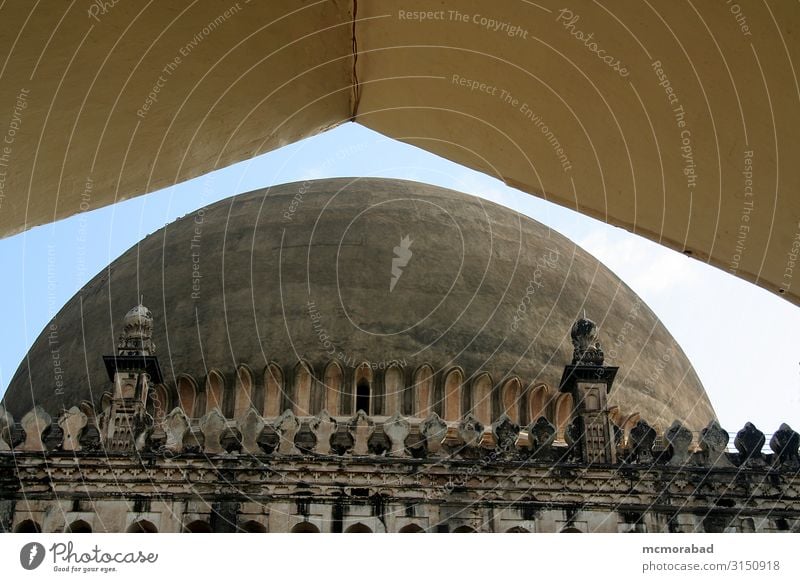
362 270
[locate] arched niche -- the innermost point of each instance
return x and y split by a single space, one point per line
358 528
243 394
363 396
451 408
464 529
411 528
215 391
28 526
538 397
482 399
423 391
301 393
304 527
78 526
187 395
563 415
510 399
274 391
142 526
394 387
333 380
517 529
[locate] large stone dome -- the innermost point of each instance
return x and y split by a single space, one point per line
362 270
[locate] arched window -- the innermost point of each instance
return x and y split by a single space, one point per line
423 391
215 389
393 382
244 392
363 395
273 399
197 526
28 526
482 399
452 395
411 528
78 526
464 529
305 527
142 526
537 402
187 393
358 528
333 388
302 389
563 415
510 399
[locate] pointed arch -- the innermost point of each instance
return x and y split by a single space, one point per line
243 395
304 527
332 383
482 398
563 414
197 526
274 391
363 391
358 528
28 526
451 409
187 395
302 384
423 391
215 391
393 389
538 398
411 528
510 400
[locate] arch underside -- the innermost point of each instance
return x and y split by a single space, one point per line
648 124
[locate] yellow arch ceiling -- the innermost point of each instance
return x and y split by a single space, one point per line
678 121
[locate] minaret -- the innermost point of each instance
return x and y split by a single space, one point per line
133 371
589 381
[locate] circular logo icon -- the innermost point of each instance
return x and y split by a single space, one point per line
31 555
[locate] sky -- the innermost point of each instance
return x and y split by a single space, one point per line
742 340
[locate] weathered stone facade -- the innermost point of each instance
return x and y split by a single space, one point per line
123 469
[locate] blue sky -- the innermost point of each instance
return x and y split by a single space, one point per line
742 340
